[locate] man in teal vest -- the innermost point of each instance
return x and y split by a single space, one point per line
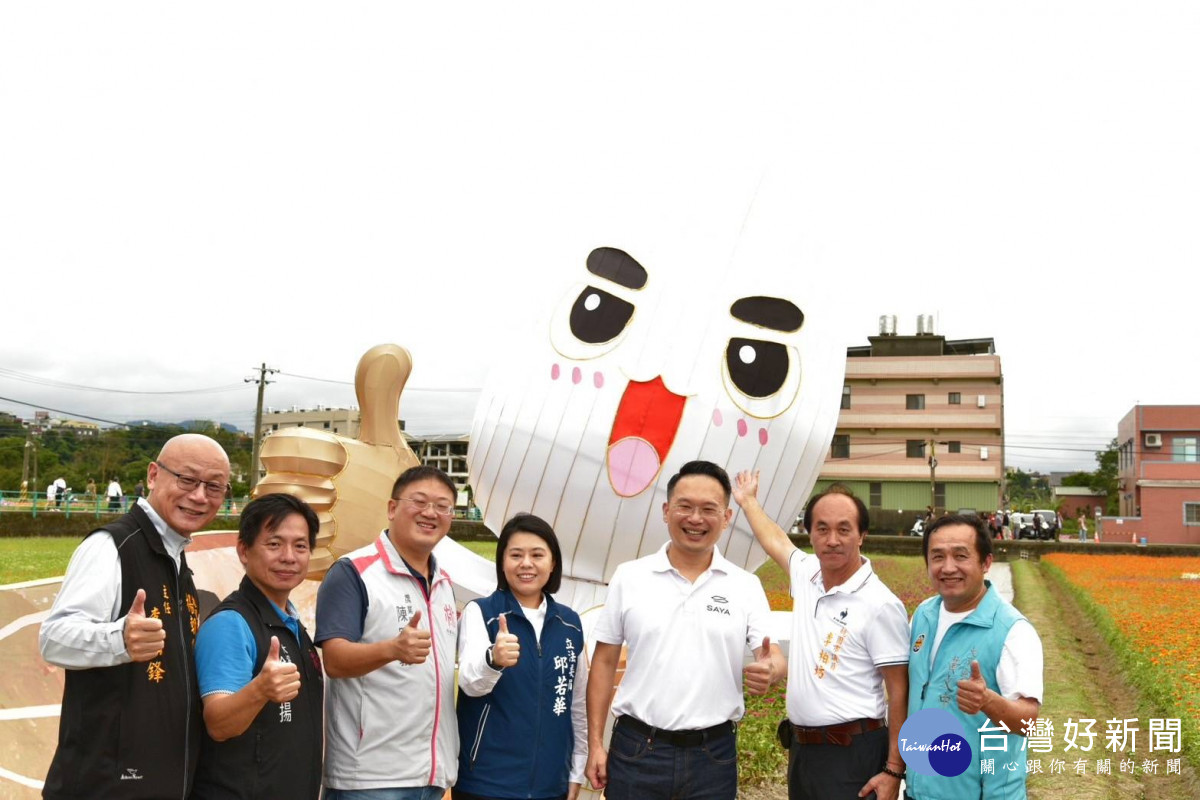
975 656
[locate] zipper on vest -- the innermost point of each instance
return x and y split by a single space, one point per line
487 709
537 730
187 677
437 675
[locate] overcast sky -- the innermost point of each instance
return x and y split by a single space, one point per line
187 192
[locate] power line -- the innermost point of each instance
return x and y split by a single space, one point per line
448 389
35 379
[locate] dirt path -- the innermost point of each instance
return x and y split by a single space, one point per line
1083 681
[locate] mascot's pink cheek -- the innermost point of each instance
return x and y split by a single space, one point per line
555 372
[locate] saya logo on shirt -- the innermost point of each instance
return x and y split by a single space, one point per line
718 605
130 774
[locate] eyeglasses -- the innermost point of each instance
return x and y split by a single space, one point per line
188 484
706 512
442 509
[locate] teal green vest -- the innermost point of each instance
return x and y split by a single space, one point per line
979 637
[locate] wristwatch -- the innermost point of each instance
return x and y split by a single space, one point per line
487 657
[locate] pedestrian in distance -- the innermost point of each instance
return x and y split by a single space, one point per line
114 494
522 677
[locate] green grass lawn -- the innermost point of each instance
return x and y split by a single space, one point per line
30 558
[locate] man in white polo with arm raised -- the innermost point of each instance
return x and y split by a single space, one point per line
849 641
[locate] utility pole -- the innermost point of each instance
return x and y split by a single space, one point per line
25 466
932 476
261 380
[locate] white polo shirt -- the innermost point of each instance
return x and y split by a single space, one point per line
840 639
686 641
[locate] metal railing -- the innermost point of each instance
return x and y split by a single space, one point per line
81 503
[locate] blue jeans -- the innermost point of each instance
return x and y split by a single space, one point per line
409 793
640 768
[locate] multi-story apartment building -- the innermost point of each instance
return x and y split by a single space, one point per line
910 400
1158 469
446 452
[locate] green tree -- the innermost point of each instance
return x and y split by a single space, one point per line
1104 479
1028 490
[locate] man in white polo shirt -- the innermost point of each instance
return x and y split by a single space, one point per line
688 616
849 641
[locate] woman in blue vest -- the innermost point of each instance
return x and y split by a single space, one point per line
522 678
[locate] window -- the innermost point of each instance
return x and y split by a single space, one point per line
326 426
841 446
939 495
845 395
1191 513
954 447
914 402
876 495
955 398
1183 448
915 448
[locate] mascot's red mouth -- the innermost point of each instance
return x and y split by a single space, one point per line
642 434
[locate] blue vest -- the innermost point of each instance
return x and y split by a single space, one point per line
517 740
979 637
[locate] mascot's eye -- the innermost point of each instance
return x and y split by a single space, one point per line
757 368
598 317
590 322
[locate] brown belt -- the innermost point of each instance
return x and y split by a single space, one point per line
834 734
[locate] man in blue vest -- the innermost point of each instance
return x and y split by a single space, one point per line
975 656
259 673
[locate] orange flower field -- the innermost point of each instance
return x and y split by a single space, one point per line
1151 605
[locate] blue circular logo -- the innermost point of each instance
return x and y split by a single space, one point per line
933 742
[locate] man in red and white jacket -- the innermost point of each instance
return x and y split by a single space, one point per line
387 626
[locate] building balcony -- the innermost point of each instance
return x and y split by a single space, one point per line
929 367
969 418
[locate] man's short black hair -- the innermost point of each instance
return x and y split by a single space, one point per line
420 473
528 523
864 517
983 539
266 513
708 468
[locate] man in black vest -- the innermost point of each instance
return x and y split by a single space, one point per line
124 628
260 676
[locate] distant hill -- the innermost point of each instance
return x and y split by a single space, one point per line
187 423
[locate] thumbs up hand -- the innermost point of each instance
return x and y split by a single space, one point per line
345 480
972 692
506 650
412 645
278 680
144 636
760 673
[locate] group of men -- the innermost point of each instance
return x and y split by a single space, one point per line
157 706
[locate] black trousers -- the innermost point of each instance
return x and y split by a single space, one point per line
455 794
833 772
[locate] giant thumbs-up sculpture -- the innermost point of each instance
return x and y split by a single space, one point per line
347 481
